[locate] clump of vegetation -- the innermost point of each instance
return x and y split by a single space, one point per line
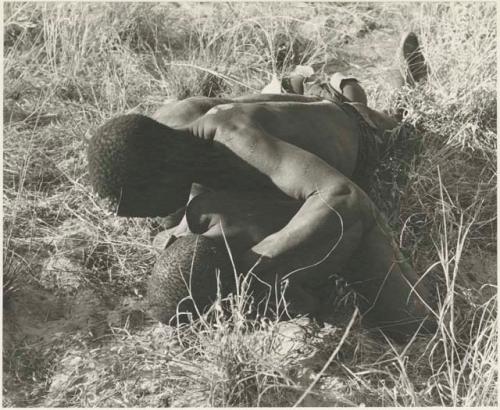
75 333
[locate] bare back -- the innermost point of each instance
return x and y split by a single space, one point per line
321 128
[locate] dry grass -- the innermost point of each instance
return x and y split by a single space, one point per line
74 330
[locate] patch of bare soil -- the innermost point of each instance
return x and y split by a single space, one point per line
38 322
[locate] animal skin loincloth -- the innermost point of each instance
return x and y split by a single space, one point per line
368 149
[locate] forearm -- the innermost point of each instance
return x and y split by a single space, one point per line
324 233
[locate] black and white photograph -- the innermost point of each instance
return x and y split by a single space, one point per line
249 204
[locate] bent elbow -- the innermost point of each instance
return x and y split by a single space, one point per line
349 201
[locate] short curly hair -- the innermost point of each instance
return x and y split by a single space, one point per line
123 151
188 267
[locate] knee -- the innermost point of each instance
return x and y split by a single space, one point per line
354 92
349 87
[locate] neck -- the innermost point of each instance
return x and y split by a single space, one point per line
179 152
193 157
211 164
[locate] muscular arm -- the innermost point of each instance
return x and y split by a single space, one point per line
333 205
